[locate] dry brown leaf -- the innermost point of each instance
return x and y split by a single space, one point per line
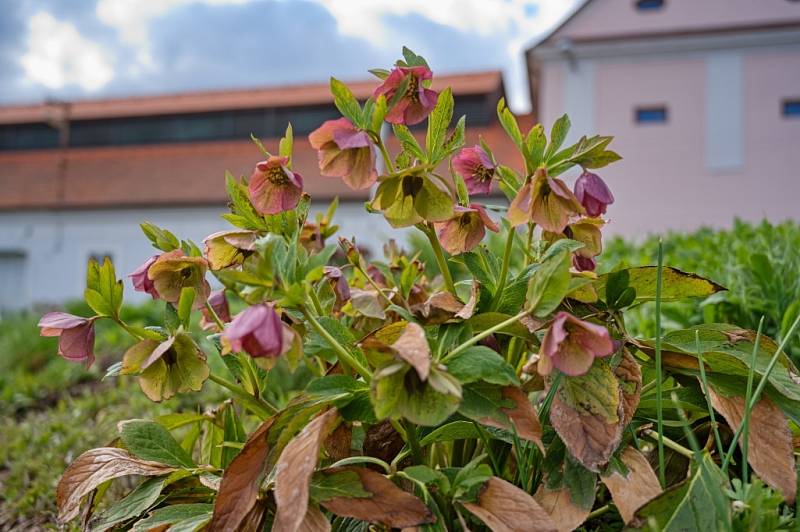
337 444
468 310
383 441
630 375
412 346
770 449
566 515
503 507
314 521
238 491
640 485
523 416
369 303
94 467
389 505
294 469
589 438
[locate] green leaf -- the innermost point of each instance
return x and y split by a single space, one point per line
557 136
379 114
174 514
581 483
595 393
432 203
326 485
285 146
397 391
456 139
243 215
457 430
413 59
185 305
380 73
535 143
160 238
438 122
676 284
98 303
698 503
486 320
150 441
180 419
549 284
408 141
347 104
509 123
479 363
130 506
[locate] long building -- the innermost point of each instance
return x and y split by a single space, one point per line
77 178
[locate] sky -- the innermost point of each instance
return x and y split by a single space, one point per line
70 49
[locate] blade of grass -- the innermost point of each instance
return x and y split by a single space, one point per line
659 383
704 383
762 383
748 396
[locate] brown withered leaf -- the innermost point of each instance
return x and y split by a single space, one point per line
337 444
503 507
566 515
589 438
238 491
439 308
314 521
294 469
383 441
412 346
631 492
523 416
630 382
94 467
389 505
770 449
468 310
368 303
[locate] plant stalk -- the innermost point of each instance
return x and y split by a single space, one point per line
483 334
659 383
501 283
440 259
259 406
344 355
748 397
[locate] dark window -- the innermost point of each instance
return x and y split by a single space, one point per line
651 115
791 108
647 5
27 137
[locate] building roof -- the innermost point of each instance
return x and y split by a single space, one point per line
191 173
205 101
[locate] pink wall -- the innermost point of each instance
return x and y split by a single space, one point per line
603 18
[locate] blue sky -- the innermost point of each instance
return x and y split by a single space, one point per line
95 48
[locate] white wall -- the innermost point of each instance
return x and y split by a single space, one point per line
56 245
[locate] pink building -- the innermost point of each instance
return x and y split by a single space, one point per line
703 97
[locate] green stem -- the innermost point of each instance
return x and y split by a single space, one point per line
440 260
748 397
215 316
659 384
675 446
259 406
704 383
762 383
312 295
597 513
501 284
529 243
344 355
413 442
483 334
387 159
544 410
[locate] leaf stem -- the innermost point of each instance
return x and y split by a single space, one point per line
501 283
748 397
659 383
344 355
387 159
259 406
675 446
439 254
215 316
704 384
413 442
483 334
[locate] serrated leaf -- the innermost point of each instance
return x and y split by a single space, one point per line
676 284
558 134
549 284
408 141
150 441
344 100
378 114
286 144
438 122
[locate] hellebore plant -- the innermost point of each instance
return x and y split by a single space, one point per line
497 392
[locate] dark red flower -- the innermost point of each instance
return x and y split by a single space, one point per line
593 193
273 187
416 103
258 331
76 335
141 282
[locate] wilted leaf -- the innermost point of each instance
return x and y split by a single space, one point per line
439 308
94 467
412 346
314 521
294 469
506 508
629 375
387 504
632 491
367 303
522 416
468 310
587 412
566 515
337 444
698 503
238 491
770 449
675 284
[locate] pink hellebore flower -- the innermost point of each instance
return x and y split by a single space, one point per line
571 345
218 303
273 187
593 193
76 335
417 102
339 285
545 200
477 169
141 282
259 332
465 229
345 152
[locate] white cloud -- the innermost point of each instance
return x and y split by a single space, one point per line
131 19
58 55
518 22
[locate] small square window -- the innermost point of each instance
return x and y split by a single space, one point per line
651 115
649 5
791 108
